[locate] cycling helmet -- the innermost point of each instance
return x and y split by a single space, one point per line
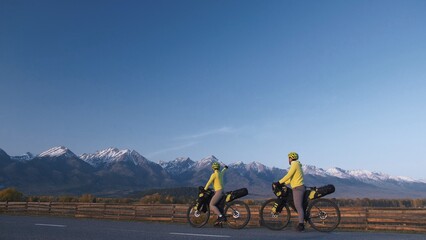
215 166
293 156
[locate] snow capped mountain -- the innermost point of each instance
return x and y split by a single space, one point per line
184 164
338 172
115 170
364 175
257 167
57 152
179 160
312 170
239 163
112 155
206 162
181 165
361 175
177 166
26 157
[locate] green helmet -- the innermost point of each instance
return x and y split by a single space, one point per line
293 156
215 166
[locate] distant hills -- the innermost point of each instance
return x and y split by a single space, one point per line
115 172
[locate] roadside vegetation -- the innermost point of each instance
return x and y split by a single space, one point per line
185 196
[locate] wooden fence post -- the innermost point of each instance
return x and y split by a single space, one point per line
366 218
173 212
134 212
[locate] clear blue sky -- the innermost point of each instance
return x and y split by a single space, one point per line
341 82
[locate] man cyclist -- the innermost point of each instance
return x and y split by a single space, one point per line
295 178
217 180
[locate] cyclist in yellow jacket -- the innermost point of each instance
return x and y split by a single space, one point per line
295 178
217 179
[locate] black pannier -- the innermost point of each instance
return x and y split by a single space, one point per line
321 191
239 193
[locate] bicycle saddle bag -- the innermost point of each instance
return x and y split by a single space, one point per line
321 191
239 193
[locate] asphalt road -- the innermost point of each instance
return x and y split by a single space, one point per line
46 228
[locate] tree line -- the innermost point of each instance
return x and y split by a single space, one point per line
366 202
186 195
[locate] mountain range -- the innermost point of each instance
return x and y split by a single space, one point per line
115 172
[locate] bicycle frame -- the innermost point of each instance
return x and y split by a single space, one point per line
237 212
321 213
288 200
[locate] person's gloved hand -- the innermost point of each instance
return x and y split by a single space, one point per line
226 166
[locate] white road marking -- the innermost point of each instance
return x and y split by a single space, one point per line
200 235
49 225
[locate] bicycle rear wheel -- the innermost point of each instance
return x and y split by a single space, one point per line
323 215
237 214
274 221
197 218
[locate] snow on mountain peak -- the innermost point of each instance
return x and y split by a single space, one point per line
178 165
181 164
364 174
177 161
257 166
26 157
240 165
182 159
207 161
312 170
338 172
56 152
402 178
111 155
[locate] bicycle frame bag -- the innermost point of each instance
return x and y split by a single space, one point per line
278 205
239 193
321 191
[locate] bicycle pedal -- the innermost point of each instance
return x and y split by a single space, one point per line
218 225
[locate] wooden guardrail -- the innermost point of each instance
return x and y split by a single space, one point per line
353 218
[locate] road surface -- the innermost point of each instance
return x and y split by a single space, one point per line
54 228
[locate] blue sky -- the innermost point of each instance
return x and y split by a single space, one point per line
341 82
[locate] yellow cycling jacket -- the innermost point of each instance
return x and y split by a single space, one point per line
294 175
217 179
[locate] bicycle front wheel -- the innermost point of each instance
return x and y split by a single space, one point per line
271 220
323 215
237 214
197 218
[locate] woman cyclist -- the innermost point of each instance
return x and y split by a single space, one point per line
217 179
294 177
